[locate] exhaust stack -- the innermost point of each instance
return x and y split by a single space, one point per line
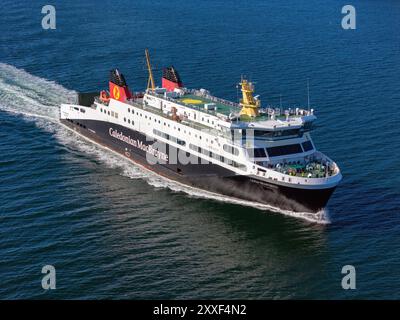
171 79
118 88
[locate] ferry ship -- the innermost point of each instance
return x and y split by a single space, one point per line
242 150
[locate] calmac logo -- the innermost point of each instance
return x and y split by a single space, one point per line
116 93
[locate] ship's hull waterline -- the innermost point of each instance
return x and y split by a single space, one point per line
209 177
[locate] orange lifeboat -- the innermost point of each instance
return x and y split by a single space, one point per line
104 96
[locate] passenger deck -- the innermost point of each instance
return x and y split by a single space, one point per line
312 169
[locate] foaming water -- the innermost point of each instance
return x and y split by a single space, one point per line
23 93
39 99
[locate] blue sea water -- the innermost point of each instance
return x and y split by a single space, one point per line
113 230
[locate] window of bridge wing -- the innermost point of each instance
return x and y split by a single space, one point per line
307 146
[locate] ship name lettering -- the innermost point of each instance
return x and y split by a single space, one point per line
138 144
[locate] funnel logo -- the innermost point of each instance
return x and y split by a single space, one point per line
116 93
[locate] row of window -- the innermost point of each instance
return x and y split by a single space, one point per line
217 157
115 114
81 109
289 149
129 121
78 124
187 114
169 137
230 149
265 134
236 152
110 113
139 114
284 150
257 153
280 150
208 120
278 133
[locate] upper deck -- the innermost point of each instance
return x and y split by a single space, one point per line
202 102
271 117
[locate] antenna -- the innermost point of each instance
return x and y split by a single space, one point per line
280 101
237 92
308 93
150 83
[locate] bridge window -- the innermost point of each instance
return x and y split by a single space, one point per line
257 153
284 150
277 133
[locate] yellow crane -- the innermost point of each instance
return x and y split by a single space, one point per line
249 104
150 82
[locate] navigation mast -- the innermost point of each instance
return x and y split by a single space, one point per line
150 82
308 93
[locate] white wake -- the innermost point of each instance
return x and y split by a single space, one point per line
38 100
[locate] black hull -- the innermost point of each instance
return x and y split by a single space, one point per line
210 177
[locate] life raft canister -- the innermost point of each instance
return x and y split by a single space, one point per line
104 96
